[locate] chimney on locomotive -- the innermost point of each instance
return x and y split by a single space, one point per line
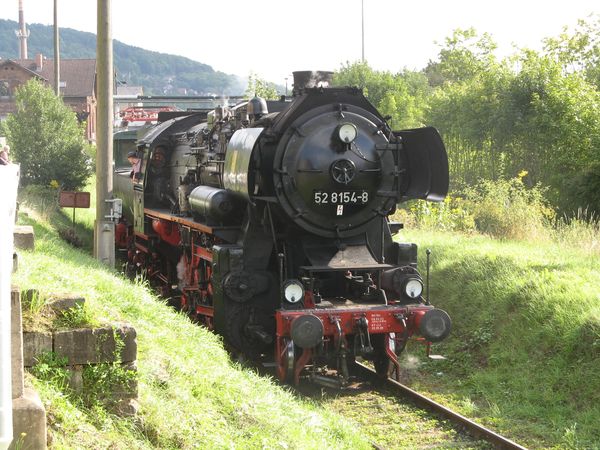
304 79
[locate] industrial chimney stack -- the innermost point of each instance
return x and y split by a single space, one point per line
22 33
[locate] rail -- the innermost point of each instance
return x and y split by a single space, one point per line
474 429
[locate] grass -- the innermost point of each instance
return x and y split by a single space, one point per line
523 356
191 395
394 423
42 203
525 349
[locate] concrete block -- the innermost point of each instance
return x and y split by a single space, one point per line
64 303
127 407
29 422
24 237
34 344
16 342
128 389
76 378
129 337
120 390
97 345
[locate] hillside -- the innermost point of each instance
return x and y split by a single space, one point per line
191 394
158 73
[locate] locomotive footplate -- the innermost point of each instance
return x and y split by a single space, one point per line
380 318
227 232
312 330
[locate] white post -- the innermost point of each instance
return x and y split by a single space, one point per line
9 180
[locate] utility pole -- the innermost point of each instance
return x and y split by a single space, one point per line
362 17
104 228
56 51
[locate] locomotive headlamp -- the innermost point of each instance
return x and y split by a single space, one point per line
293 291
413 287
347 132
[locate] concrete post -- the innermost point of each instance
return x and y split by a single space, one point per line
104 248
29 415
9 180
16 339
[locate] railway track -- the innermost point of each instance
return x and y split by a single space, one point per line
472 428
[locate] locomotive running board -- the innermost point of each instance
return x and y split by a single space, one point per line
228 233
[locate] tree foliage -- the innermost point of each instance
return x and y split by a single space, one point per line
257 87
463 56
46 139
402 96
524 113
537 112
579 51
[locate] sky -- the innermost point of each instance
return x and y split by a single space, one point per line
273 38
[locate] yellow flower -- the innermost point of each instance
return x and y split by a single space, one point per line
54 184
522 174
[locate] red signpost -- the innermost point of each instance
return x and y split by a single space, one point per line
74 199
69 199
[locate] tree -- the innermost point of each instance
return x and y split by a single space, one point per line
257 87
46 139
579 51
401 96
464 55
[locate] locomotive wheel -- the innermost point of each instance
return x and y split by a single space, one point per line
285 366
239 333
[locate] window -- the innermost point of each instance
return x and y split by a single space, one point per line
4 88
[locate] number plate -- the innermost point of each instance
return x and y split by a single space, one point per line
341 198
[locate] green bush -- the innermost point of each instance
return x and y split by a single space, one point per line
505 209
47 140
449 215
509 209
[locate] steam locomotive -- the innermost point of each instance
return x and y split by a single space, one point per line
268 222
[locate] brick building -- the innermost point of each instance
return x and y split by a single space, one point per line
77 85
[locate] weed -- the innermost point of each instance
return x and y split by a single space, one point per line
76 317
582 230
480 336
19 443
50 367
569 438
102 381
33 301
70 236
44 199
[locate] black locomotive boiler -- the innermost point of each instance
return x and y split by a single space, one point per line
268 222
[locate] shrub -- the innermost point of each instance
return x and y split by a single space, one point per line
503 209
449 215
580 230
509 209
46 139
